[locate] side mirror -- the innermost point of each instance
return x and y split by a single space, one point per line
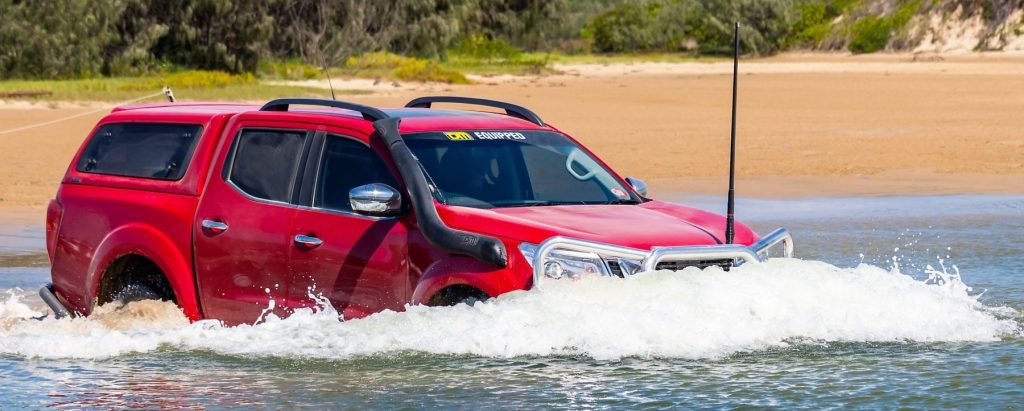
375 200
639 185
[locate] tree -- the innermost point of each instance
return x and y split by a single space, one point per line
230 35
36 42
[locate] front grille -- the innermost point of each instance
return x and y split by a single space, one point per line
726 264
615 268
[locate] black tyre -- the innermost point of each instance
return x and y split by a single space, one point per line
458 294
136 292
471 300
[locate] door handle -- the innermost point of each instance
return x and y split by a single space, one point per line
215 227
307 241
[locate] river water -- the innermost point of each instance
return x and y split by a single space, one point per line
894 302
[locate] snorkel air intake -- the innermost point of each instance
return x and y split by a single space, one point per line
481 247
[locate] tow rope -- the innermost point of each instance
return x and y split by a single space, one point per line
165 92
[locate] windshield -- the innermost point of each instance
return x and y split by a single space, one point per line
487 169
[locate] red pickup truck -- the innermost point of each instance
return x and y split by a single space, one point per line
233 211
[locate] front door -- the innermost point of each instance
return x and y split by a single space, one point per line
242 232
356 262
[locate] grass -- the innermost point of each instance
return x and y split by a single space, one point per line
459 63
188 85
530 64
394 67
486 56
480 54
199 85
608 58
290 69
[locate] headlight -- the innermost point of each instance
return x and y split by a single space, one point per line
574 264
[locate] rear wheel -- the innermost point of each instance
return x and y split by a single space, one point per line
133 278
136 292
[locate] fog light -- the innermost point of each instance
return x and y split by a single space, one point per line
553 270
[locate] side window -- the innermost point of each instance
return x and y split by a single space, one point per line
347 164
266 163
146 150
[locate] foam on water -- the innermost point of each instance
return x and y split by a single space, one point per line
689 314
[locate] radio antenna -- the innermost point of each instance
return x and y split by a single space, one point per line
731 202
327 74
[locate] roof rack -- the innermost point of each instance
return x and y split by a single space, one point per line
281 104
510 109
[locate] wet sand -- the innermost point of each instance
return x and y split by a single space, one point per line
809 125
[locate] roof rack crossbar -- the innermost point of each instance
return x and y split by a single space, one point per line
281 104
510 109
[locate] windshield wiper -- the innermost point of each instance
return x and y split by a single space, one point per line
539 203
535 203
622 201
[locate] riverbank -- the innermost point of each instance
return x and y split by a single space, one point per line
809 124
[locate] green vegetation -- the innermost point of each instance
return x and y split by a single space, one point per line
92 38
767 26
481 54
284 39
291 69
629 27
608 58
191 85
218 47
393 66
815 21
872 33
704 27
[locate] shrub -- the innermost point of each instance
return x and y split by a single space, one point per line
402 68
192 79
483 47
482 54
205 79
814 20
55 38
627 27
872 33
424 70
291 69
869 34
677 25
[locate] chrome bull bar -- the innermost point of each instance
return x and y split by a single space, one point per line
756 252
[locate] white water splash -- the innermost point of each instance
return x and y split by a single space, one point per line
13 310
688 314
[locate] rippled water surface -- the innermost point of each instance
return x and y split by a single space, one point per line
872 315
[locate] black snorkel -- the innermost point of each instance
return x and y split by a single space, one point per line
481 247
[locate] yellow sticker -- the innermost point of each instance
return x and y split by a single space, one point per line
458 135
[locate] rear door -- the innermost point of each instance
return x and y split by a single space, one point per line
243 225
361 263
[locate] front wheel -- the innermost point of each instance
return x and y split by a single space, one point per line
458 294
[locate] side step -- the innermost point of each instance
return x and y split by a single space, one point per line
59 310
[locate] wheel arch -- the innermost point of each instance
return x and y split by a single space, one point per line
462 271
153 245
455 294
132 269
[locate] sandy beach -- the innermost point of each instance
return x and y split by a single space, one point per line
809 124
